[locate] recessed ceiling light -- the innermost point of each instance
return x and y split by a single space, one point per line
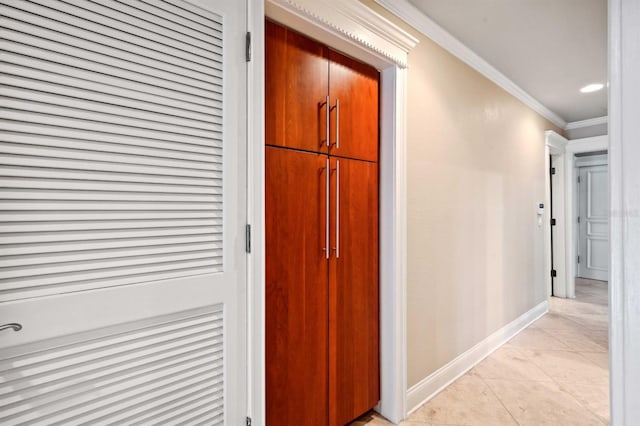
592 87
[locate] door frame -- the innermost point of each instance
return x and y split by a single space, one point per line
624 204
555 146
356 30
255 215
563 156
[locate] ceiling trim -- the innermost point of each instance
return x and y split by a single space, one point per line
587 123
421 22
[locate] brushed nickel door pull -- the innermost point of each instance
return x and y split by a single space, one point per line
337 108
337 247
326 211
328 118
13 325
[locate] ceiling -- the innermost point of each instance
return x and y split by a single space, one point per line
550 48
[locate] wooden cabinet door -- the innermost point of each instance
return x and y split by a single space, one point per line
296 75
355 120
353 290
296 288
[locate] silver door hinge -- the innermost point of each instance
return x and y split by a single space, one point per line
248 47
248 238
248 421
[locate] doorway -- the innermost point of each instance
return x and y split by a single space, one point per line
593 223
385 46
564 156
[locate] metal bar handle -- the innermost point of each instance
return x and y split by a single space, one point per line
327 125
328 118
337 108
326 211
337 247
14 325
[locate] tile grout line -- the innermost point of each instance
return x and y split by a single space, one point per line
552 379
499 400
559 384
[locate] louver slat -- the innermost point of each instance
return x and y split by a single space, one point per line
169 369
110 145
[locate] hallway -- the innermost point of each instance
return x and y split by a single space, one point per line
555 372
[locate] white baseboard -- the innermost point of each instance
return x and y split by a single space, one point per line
431 385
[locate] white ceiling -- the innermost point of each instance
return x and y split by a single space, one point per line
550 48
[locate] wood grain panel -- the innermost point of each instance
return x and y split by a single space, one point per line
296 75
355 85
296 289
354 292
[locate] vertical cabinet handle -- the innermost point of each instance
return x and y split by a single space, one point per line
328 118
326 211
327 129
337 108
337 247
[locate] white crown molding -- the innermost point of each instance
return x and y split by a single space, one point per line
417 19
353 21
587 123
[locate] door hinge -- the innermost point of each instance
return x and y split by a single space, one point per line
248 238
578 179
248 47
553 170
248 421
578 258
553 222
578 219
553 273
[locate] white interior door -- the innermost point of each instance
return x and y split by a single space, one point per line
593 199
122 264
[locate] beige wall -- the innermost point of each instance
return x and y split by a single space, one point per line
476 173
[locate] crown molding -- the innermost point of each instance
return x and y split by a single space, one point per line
353 21
421 22
587 123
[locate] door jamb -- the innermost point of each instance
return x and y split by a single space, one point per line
255 215
554 155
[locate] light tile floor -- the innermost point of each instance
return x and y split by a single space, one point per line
555 372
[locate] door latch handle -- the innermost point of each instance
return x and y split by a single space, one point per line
13 325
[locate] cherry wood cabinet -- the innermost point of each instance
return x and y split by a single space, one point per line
297 292
318 99
296 90
353 87
322 292
353 290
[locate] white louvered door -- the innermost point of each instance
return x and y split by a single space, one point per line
122 212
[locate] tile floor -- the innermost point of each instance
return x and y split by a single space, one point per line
555 372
